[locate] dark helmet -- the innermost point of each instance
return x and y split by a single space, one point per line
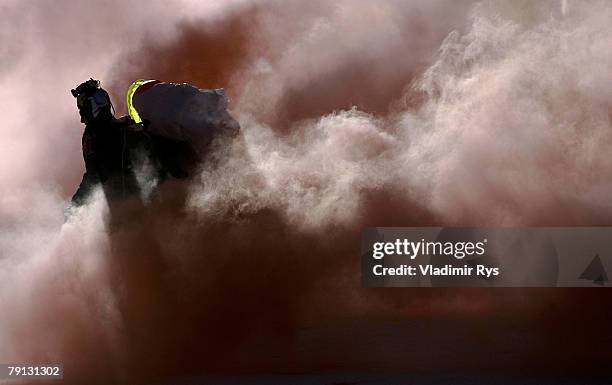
93 102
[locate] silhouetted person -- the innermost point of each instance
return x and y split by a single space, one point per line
111 147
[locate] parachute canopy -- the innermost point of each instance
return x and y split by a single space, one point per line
179 112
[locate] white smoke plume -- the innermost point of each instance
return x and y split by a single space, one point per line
512 129
352 112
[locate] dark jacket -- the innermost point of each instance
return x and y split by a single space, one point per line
110 149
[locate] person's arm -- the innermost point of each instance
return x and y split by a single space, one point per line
91 176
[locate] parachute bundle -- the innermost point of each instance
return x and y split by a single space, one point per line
180 112
181 120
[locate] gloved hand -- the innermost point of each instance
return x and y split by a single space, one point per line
125 120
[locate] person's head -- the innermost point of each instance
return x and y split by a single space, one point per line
93 102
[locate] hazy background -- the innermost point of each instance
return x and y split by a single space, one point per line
354 113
